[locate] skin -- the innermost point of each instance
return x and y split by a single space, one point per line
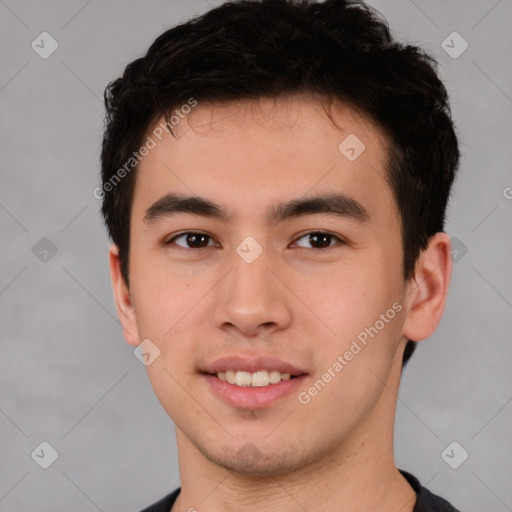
294 301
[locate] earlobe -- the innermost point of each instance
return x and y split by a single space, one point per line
124 306
427 291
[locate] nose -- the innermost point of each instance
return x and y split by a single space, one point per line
251 300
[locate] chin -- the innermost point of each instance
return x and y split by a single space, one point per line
252 462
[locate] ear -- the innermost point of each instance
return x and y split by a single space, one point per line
427 290
124 306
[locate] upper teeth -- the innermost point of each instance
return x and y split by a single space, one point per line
256 379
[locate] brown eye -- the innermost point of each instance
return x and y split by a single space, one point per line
191 240
319 240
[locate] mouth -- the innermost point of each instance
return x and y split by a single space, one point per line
253 383
258 379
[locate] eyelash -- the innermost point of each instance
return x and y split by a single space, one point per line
322 249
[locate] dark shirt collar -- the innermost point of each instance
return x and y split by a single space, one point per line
425 501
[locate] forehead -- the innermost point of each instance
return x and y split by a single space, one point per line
253 153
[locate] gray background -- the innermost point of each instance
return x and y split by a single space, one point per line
67 376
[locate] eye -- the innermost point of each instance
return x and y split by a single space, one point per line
191 240
319 239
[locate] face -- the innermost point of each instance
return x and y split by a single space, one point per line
290 263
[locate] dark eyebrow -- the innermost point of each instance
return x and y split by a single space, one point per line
171 204
337 204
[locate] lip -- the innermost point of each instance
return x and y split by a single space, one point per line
252 364
246 397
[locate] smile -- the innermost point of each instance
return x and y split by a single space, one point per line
260 378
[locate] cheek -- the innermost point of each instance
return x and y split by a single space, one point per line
353 367
364 312
170 309
350 299
162 295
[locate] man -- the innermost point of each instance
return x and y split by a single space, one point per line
275 180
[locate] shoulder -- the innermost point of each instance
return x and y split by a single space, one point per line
427 501
165 504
